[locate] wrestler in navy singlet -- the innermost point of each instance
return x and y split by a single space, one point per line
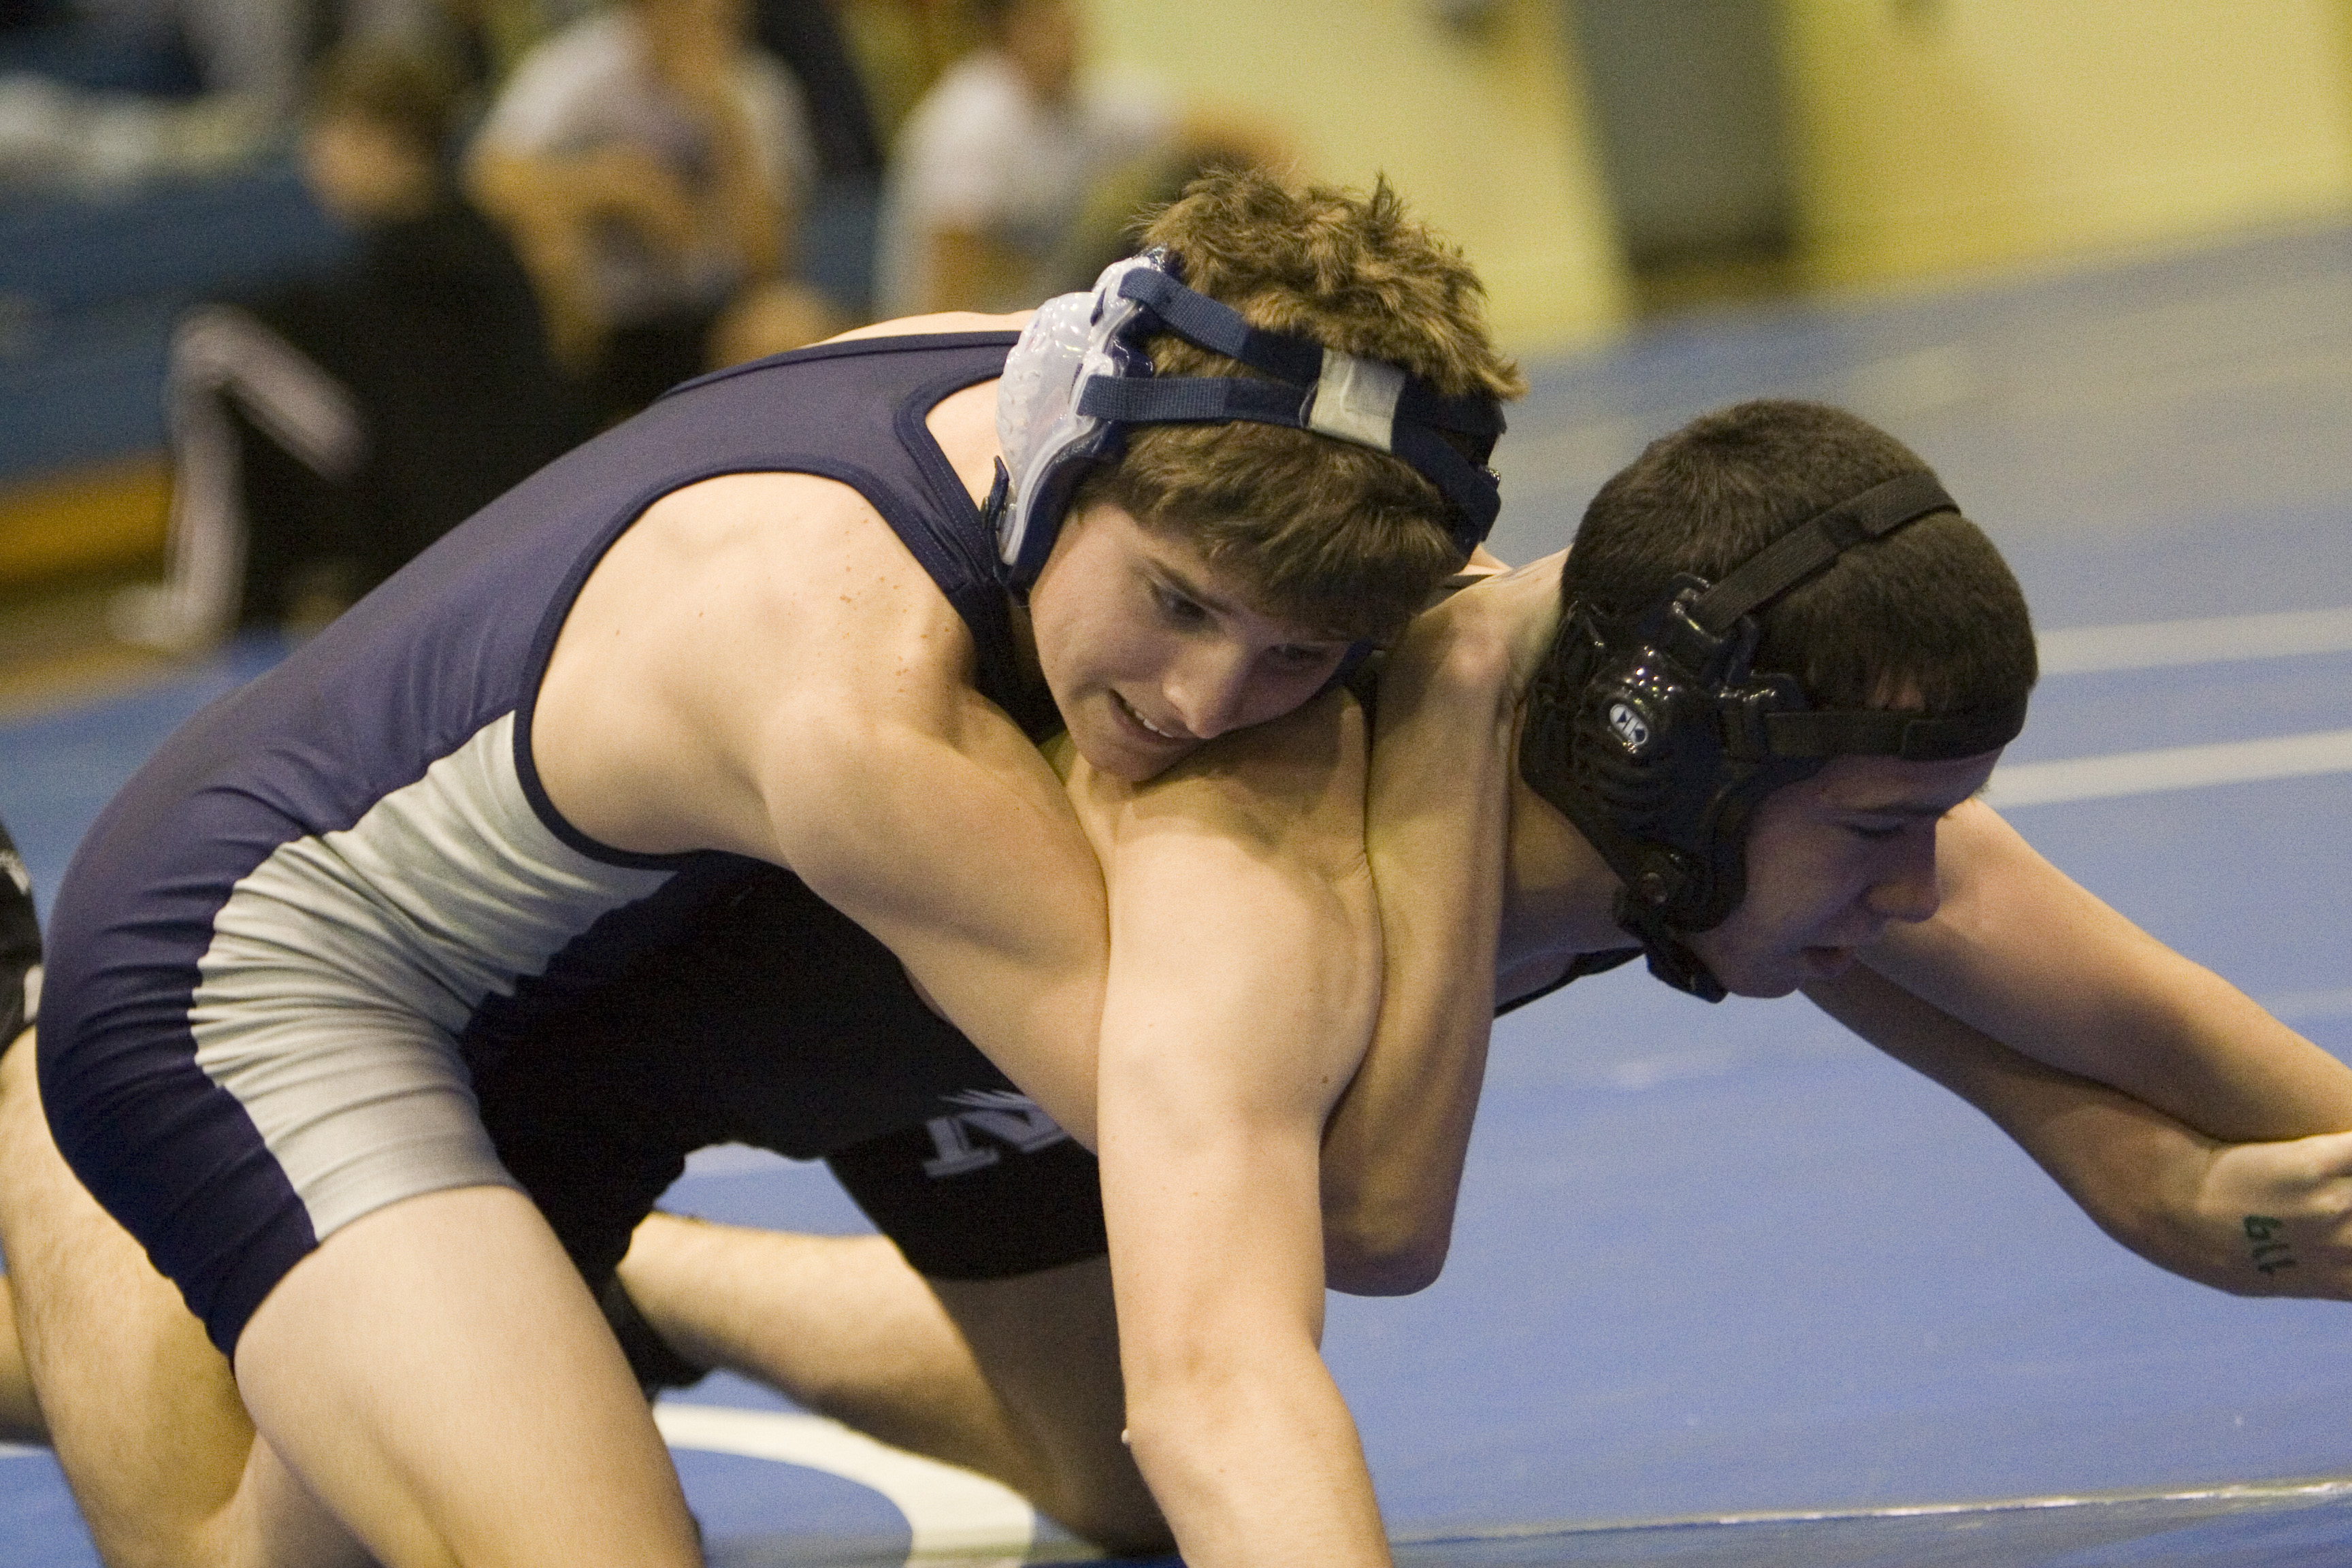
285 954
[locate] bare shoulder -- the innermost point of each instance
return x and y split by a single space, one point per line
735 612
944 322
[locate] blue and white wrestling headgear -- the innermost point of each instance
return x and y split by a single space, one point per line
1079 377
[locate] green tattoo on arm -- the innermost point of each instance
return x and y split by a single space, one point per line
2269 1256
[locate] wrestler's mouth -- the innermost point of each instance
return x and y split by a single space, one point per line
1127 710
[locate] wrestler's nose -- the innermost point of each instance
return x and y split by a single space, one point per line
1208 691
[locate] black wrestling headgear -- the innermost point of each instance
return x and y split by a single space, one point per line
1659 746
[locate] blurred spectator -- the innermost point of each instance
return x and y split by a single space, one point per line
649 161
992 168
1018 174
900 47
807 38
833 245
486 40
325 432
108 92
480 43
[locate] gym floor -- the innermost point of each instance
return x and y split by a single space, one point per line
1728 1286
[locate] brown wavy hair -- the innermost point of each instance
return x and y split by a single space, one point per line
1321 531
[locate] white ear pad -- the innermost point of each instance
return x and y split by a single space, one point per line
1033 398
1072 338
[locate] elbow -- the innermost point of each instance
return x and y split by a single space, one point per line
1396 1258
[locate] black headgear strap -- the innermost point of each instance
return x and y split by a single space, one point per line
1660 746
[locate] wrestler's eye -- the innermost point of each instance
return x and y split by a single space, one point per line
1304 654
1877 833
1178 609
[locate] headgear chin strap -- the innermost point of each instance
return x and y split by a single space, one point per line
1079 377
1660 747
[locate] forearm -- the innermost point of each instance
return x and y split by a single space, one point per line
2021 952
1241 993
2270 1218
1232 1416
1267 1471
1436 833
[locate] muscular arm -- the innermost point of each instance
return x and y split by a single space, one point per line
1244 977
2020 952
1437 830
2255 1219
956 848
2188 1124
759 667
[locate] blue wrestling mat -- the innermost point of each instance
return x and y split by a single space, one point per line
1728 1286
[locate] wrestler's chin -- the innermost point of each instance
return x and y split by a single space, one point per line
1763 978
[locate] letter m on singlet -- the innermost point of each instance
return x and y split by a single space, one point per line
996 1115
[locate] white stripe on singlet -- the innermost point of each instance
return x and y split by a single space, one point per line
342 969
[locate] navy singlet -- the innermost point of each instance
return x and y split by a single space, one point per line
283 950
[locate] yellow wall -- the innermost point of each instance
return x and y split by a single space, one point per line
1931 134
1480 129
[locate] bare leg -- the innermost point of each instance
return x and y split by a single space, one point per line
437 1372
1016 1378
140 1408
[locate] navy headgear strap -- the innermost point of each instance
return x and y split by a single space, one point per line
1369 402
1079 377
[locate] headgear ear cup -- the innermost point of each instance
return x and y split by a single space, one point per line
1047 442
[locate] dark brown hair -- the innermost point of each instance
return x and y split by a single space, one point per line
1928 614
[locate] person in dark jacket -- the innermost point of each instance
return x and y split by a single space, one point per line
325 431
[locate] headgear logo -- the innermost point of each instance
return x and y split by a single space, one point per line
1629 726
